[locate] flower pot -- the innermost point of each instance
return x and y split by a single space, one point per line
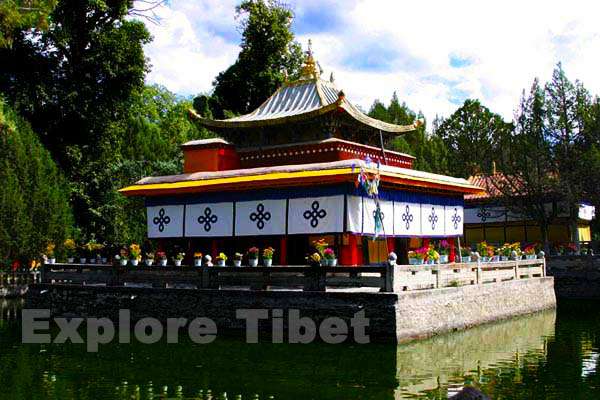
178 263
70 260
220 263
531 256
253 262
268 262
237 263
443 258
82 260
412 261
104 260
333 262
123 262
92 261
162 263
197 262
51 260
503 258
465 259
149 262
134 262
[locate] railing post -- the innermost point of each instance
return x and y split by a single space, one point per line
315 279
543 266
516 269
478 273
388 285
438 278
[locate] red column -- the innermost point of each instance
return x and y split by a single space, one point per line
350 252
452 256
391 244
283 251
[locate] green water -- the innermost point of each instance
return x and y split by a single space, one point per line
548 355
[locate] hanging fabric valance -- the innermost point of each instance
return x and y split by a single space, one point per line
306 215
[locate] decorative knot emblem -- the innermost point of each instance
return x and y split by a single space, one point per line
208 219
433 218
260 216
484 214
407 218
314 214
456 219
161 220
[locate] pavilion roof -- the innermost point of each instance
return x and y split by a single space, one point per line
295 175
301 100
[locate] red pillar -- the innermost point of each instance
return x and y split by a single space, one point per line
350 252
391 244
452 256
283 251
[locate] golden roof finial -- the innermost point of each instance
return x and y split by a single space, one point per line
309 69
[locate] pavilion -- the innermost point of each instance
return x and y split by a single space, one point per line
305 164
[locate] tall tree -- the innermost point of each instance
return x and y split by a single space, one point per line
567 104
20 15
474 137
268 52
34 200
529 179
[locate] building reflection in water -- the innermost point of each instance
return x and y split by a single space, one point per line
232 369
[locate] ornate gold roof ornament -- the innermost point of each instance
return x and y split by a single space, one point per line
309 70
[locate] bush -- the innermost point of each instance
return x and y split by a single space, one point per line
34 200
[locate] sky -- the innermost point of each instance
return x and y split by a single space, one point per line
434 54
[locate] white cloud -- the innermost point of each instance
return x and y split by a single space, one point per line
378 46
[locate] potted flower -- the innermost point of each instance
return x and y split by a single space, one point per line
314 260
504 252
530 252
96 249
149 258
237 259
253 256
197 259
178 258
85 250
417 257
49 256
268 256
444 251
432 255
329 256
482 249
122 256
221 259
465 254
208 260
70 248
162 258
321 245
135 254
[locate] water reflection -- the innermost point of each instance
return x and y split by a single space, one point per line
540 356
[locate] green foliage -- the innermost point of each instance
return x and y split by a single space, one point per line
34 201
268 52
19 15
474 137
430 152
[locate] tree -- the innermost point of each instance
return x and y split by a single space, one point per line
20 15
34 200
474 136
529 179
73 82
567 105
268 52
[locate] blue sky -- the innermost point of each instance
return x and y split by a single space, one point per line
434 54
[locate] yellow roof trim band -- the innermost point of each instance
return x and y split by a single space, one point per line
238 179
